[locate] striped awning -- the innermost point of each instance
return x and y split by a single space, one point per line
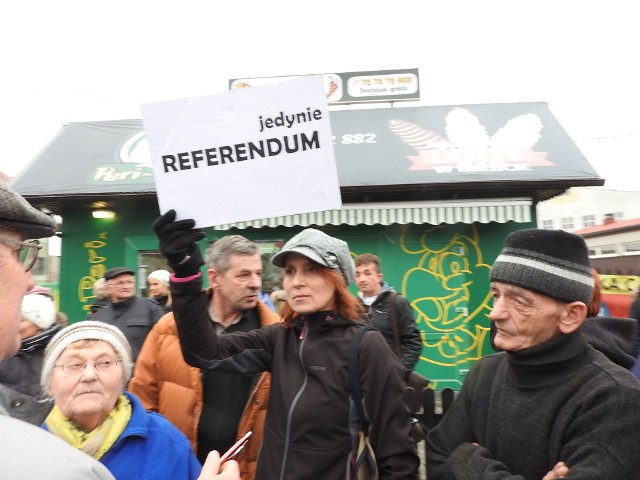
455 211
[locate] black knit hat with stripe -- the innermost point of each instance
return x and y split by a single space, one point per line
554 263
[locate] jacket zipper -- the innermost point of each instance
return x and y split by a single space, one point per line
287 435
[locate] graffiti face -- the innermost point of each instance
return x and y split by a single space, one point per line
450 263
523 318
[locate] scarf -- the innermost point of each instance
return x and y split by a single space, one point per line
97 442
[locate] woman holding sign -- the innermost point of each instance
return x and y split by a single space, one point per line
306 432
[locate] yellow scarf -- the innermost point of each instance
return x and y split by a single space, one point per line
97 442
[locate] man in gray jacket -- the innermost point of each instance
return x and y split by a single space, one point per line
134 316
20 442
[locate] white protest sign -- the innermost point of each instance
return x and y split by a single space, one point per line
244 154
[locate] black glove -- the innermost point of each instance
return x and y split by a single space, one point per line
178 243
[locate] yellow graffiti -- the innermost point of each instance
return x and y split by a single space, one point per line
91 247
96 269
619 283
450 262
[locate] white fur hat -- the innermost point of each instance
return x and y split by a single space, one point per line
86 330
39 310
161 276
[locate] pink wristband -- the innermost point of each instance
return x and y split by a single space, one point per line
173 277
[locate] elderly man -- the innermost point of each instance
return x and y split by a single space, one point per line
133 315
548 405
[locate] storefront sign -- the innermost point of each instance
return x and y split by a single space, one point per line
355 87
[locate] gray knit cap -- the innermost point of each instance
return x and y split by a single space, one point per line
321 248
18 214
86 330
554 263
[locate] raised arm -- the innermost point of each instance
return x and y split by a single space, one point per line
246 352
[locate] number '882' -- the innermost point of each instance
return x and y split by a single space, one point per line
356 138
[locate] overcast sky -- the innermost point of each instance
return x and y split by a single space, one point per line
69 61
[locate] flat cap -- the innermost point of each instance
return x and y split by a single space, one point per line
115 271
18 214
321 248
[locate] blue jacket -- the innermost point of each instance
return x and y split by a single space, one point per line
151 448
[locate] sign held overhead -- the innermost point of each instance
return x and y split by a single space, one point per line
244 155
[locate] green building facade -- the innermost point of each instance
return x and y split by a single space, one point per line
436 228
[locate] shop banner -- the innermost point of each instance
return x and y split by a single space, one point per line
244 155
355 87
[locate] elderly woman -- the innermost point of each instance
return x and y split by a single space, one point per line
86 366
306 432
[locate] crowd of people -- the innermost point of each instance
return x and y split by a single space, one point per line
160 387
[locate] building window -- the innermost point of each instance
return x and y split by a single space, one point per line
567 223
632 246
588 220
547 224
607 249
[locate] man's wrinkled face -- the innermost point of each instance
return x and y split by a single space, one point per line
14 283
121 288
523 318
368 279
240 285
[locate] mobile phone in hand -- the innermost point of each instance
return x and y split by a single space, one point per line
235 448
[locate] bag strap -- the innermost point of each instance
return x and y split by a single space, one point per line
354 376
393 297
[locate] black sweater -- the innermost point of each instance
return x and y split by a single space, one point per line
559 401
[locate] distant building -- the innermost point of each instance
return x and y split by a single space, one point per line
609 221
614 246
614 250
582 207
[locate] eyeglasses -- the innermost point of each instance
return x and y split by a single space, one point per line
123 283
76 366
26 253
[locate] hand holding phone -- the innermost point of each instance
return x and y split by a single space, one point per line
235 448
